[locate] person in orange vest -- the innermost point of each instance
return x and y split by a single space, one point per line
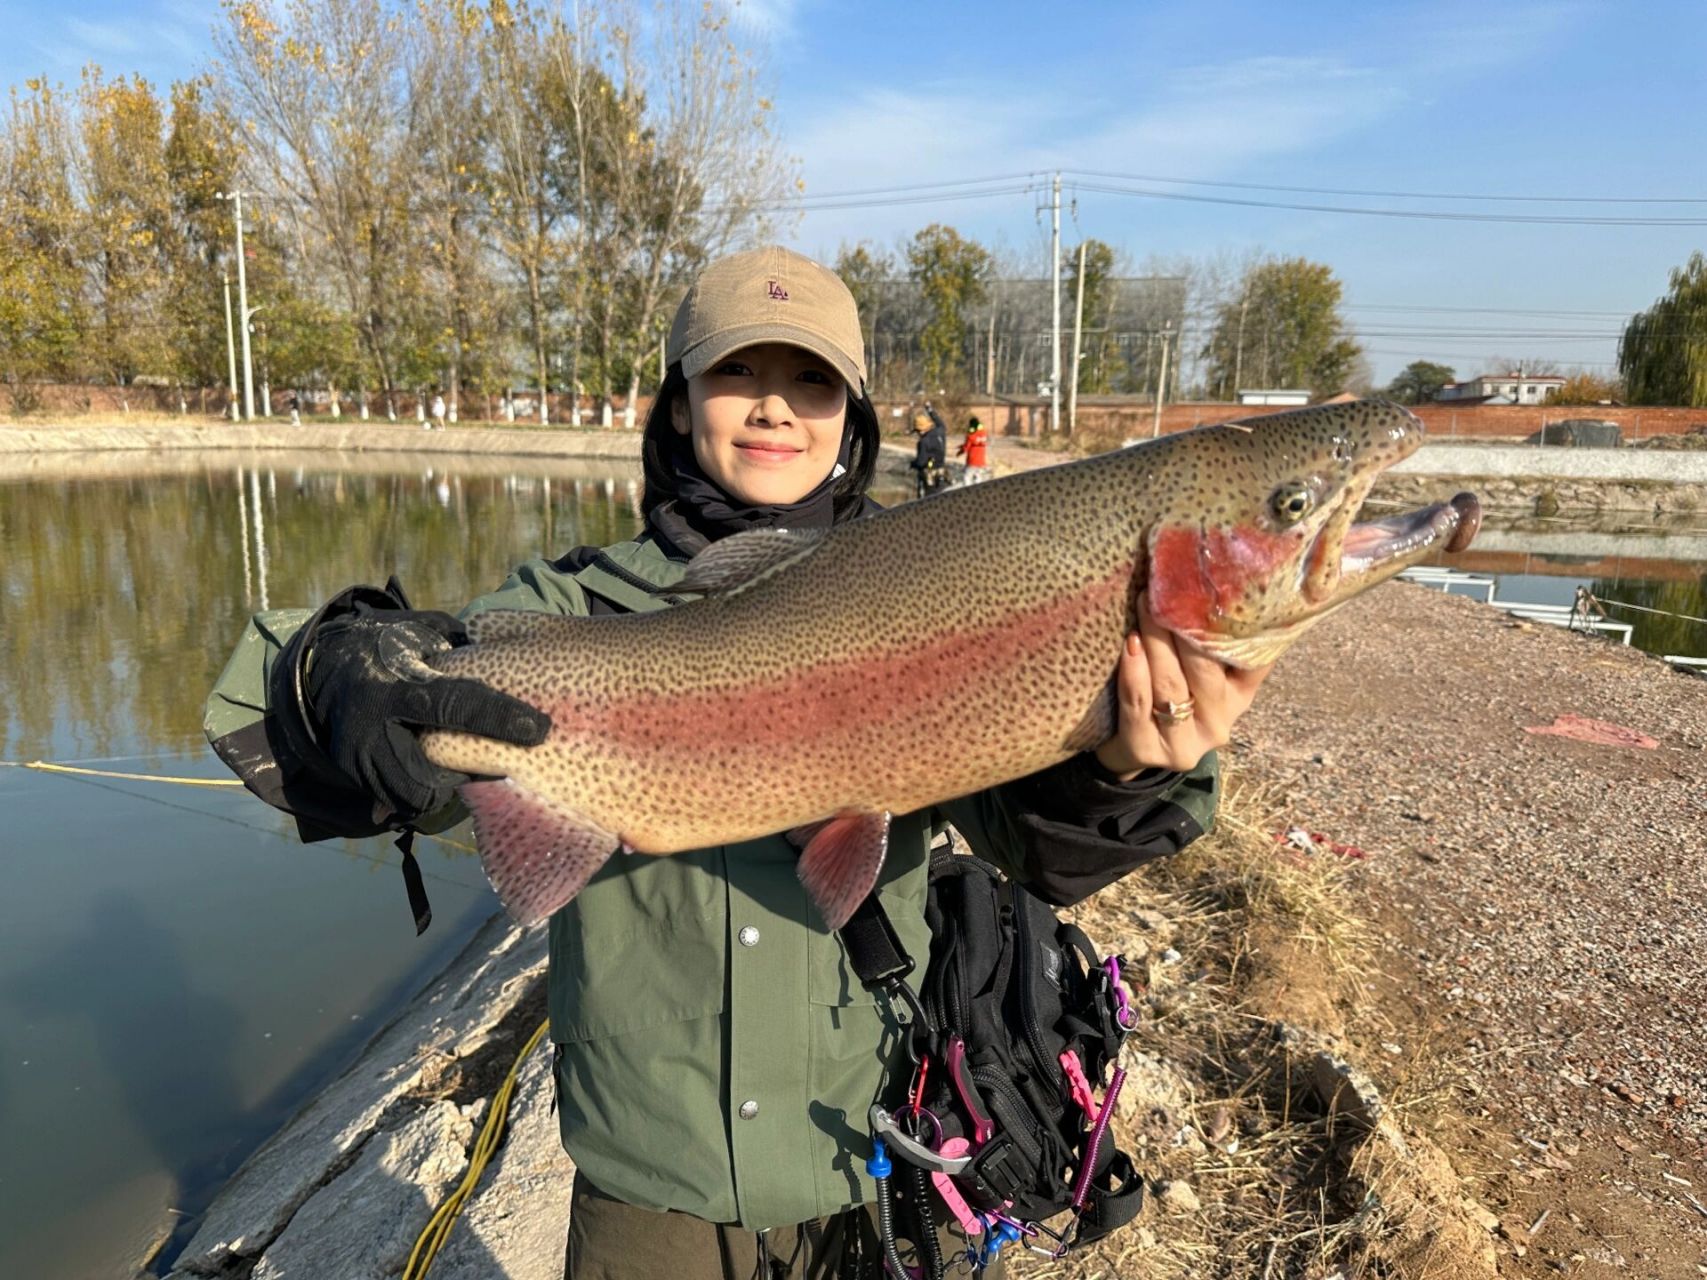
975 449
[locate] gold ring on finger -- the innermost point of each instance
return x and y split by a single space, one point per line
1175 712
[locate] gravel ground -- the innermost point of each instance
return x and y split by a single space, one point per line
1546 898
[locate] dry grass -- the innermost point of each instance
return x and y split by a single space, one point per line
1254 958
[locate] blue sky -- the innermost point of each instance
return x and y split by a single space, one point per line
1575 98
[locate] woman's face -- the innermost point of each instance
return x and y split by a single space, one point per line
766 422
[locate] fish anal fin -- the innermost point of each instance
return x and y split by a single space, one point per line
841 860
733 562
537 855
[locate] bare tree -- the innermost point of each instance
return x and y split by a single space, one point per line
322 86
677 164
449 124
529 109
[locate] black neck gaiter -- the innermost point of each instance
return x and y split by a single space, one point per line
701 512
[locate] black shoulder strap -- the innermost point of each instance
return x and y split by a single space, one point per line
874 948
1117 1195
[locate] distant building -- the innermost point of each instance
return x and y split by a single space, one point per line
1274 397
1502 388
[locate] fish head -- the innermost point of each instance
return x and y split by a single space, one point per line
1258 538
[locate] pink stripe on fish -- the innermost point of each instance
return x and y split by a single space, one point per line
843 695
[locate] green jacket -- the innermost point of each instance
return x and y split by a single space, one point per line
715 1052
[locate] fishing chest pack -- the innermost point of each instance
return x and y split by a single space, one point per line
1014 1019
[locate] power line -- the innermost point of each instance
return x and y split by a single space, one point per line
1490 311
1432 215
1412 352
1389 195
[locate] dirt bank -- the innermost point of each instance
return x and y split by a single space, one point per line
1541 901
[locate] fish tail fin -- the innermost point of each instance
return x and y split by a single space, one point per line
840 861
536 855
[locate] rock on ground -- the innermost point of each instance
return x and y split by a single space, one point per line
364 1224
452 1018
516 1222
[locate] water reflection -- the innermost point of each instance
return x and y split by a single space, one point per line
177 972
123 596
1653 576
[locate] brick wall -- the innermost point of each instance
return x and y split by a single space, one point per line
1103 424
1103 421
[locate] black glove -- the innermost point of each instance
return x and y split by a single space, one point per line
370 691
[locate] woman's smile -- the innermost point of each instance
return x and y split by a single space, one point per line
766 422
769 451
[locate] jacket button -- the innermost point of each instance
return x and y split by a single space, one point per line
749 1109
749 936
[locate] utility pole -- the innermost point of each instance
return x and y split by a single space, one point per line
236 198
1239 347
231 363
1055 304
1162 380
1078 330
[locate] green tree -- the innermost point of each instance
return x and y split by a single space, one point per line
952 273
1099 357
1282 329
41 298
128 225
202 158
1419 382
1663 353
867 271
1584 387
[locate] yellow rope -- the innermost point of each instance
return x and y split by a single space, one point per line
48 767
438 1227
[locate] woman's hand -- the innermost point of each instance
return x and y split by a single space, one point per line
1155 671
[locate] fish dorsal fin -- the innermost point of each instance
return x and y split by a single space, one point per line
743 558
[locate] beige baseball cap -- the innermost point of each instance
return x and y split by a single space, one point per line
768 295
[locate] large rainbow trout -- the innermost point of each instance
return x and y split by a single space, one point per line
827 680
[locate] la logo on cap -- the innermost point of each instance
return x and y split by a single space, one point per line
776 291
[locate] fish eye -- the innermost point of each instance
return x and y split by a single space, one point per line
1291 503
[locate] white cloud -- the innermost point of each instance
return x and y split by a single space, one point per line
1204 122
102 37
768 19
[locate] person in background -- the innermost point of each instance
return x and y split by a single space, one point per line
438 411
930 460
975 450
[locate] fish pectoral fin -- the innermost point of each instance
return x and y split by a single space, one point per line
537 856
733 562
841 860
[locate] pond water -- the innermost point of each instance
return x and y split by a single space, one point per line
1653 577
177 972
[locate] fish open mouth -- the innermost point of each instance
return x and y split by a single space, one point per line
1401 540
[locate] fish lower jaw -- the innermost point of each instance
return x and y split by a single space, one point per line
1246 653
1396 541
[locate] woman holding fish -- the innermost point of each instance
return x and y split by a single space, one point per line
715 1053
